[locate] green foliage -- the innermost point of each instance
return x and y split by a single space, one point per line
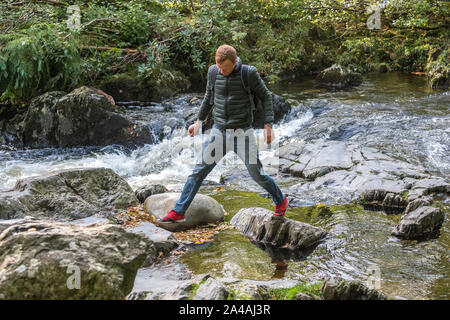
37 60
135 24
312 289
277 36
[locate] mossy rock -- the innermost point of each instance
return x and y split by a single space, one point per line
338 76
129 87
437 69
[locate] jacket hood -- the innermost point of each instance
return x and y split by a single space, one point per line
238 65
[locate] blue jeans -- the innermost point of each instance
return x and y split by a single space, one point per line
203 168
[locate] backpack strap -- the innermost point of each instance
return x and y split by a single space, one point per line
212 82
244 79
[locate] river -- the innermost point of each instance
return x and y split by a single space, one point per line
394 113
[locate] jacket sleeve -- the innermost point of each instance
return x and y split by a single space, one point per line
259 88
205 107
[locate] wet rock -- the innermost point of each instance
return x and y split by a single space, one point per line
167 280
340 289
44 259
11 125
382 199
303 296
202 210
87 118
211 289
337 76
421 223
348 172
243 289
68 195
41 120
261 225
81 117
315 160
420 202
146 191
427 186
163 240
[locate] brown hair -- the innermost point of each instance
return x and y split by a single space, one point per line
226 52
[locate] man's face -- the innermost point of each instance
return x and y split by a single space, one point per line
226 67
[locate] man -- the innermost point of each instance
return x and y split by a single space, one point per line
231 111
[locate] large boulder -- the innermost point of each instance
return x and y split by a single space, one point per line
68 195
11 120
81 117
202 210
44 259
340 289
337 76
423 222
41 122
261 225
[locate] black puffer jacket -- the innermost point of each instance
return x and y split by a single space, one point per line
231 108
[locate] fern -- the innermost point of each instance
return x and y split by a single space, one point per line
37 60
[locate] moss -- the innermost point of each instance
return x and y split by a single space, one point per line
233 201
238 295
405 195
195 287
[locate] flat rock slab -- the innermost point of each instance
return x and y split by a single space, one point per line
341 172
68 195
261 225
164 281
163 240
202 210
45 259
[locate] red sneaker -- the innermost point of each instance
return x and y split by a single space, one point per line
171 217
280 210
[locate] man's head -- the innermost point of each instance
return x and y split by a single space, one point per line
226 59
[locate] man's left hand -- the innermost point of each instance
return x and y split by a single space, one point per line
269 135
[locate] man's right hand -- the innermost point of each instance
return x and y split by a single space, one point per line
193 128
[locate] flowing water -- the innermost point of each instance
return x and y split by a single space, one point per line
394 113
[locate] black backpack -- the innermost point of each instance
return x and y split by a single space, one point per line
257 109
